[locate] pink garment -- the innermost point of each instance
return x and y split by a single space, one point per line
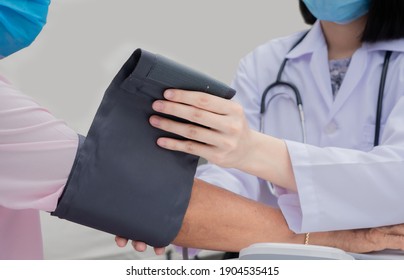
37 152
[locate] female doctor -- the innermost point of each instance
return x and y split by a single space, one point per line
37 152
339 162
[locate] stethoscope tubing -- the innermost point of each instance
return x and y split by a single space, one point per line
299 101
379 108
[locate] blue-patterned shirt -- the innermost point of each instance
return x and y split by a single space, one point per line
338 69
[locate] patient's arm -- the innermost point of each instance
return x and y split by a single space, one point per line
220 220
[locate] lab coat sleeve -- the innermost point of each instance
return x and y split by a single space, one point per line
343 188
36 152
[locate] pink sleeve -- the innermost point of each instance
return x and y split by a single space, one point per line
37 152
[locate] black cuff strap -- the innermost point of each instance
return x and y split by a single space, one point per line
122 182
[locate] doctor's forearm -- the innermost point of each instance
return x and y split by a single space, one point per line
220 220
268 158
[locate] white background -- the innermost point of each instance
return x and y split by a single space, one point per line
85 42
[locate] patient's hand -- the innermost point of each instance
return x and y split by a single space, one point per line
137 245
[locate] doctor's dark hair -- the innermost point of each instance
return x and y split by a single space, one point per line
385 20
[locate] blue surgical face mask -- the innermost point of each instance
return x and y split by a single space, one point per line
20 23
338 11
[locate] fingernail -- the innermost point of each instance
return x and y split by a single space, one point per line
155 121
161 142
169 94
158 106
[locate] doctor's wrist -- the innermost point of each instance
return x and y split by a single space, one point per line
329 239
268 158
307 238
348 240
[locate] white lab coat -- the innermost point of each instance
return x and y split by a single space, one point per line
343 182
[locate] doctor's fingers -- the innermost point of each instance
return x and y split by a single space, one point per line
394 230
200 116
189 131
395 242
200 100
386 241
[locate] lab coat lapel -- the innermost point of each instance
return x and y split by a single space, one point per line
353 76
321 74
314 45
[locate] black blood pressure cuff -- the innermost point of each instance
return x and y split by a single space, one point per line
121 181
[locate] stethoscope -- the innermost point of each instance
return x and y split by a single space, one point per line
299 102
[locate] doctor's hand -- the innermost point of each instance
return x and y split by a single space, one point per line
222 136
396 230
225 137
362 240
137 245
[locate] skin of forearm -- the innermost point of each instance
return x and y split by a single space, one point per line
217 219
220 220
268 158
